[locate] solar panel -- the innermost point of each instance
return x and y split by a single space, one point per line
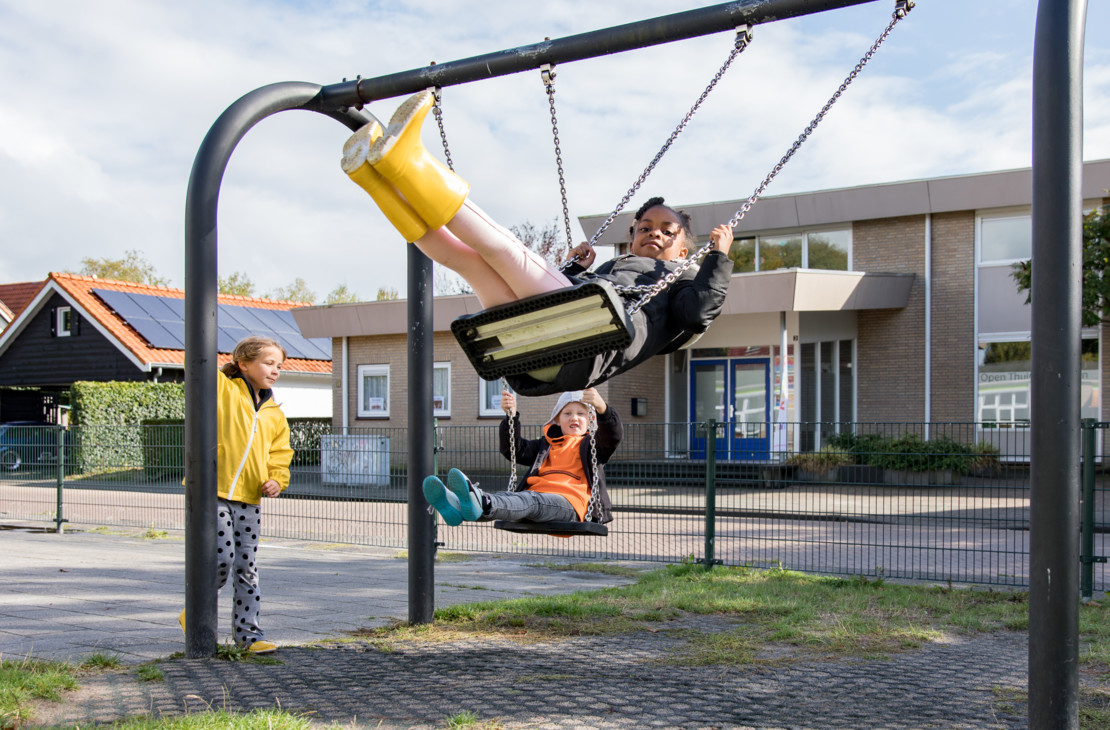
161 322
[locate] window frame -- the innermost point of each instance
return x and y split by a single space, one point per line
372 370
484 411
804 234
63 314
444 412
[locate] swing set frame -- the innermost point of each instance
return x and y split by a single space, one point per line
1057 205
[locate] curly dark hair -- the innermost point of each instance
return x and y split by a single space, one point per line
657 202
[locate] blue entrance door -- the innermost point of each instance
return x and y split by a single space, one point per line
751 404
735 392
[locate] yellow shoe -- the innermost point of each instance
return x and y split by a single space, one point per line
262 647
433 191
396 208
181 620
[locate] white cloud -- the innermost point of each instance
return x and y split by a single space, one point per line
106 105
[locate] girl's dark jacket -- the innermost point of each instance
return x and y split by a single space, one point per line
532 452
669 320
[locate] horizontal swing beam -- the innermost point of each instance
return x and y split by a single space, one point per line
618 39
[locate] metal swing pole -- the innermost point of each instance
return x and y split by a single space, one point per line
201 204
1055 386
628 37
344 101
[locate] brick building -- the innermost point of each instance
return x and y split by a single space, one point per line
893 302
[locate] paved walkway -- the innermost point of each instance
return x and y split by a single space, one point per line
72 595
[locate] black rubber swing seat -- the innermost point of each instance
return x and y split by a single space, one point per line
545 330
560 529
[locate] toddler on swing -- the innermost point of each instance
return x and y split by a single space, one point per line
430 206
557 487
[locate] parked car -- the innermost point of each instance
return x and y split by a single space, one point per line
24 443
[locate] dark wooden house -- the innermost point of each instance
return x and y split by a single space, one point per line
81 328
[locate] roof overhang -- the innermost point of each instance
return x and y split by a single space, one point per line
783 290
813 290
378 318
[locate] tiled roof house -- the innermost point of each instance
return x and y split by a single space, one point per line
78 328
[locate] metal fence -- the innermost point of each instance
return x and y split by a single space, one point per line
935 502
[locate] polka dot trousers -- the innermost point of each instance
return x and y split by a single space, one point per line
237 527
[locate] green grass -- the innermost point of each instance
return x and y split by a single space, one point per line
22 681
722 617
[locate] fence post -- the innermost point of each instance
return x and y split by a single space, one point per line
1087 558
710 491
60 476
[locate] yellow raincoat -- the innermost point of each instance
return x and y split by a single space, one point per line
252 445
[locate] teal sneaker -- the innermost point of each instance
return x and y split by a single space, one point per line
444 502
468 495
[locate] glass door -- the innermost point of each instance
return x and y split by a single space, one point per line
735 392
708 399
751 386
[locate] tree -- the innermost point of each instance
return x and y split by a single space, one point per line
237 283
1096 269
298 291
341 295
544 241
132 267
387 294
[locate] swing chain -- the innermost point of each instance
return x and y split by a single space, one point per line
743 38
593 509
650 290
547 73
438 112
512 443
903 7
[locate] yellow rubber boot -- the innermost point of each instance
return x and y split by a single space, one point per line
396 209
434 192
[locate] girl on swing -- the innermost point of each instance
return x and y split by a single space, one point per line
430 206
557 487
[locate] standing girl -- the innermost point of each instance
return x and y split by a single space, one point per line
253 462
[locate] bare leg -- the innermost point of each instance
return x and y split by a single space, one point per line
441 246
525 271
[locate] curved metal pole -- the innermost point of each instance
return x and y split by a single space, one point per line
201 205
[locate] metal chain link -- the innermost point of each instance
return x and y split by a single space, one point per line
743 37
593 509
547 73
512 443
438 112
648 291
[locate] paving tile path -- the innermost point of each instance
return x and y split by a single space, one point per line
71 595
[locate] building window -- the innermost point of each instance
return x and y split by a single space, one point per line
829 250
489 398
1004 239
1004 377
441 389
63 321
373 391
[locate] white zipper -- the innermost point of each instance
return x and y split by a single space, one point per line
246 453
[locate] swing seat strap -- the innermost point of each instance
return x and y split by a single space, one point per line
544 331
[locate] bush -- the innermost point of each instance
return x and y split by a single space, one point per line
909 452
819 462
304 437
107 415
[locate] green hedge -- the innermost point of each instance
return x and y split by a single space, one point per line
909 452
108 415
